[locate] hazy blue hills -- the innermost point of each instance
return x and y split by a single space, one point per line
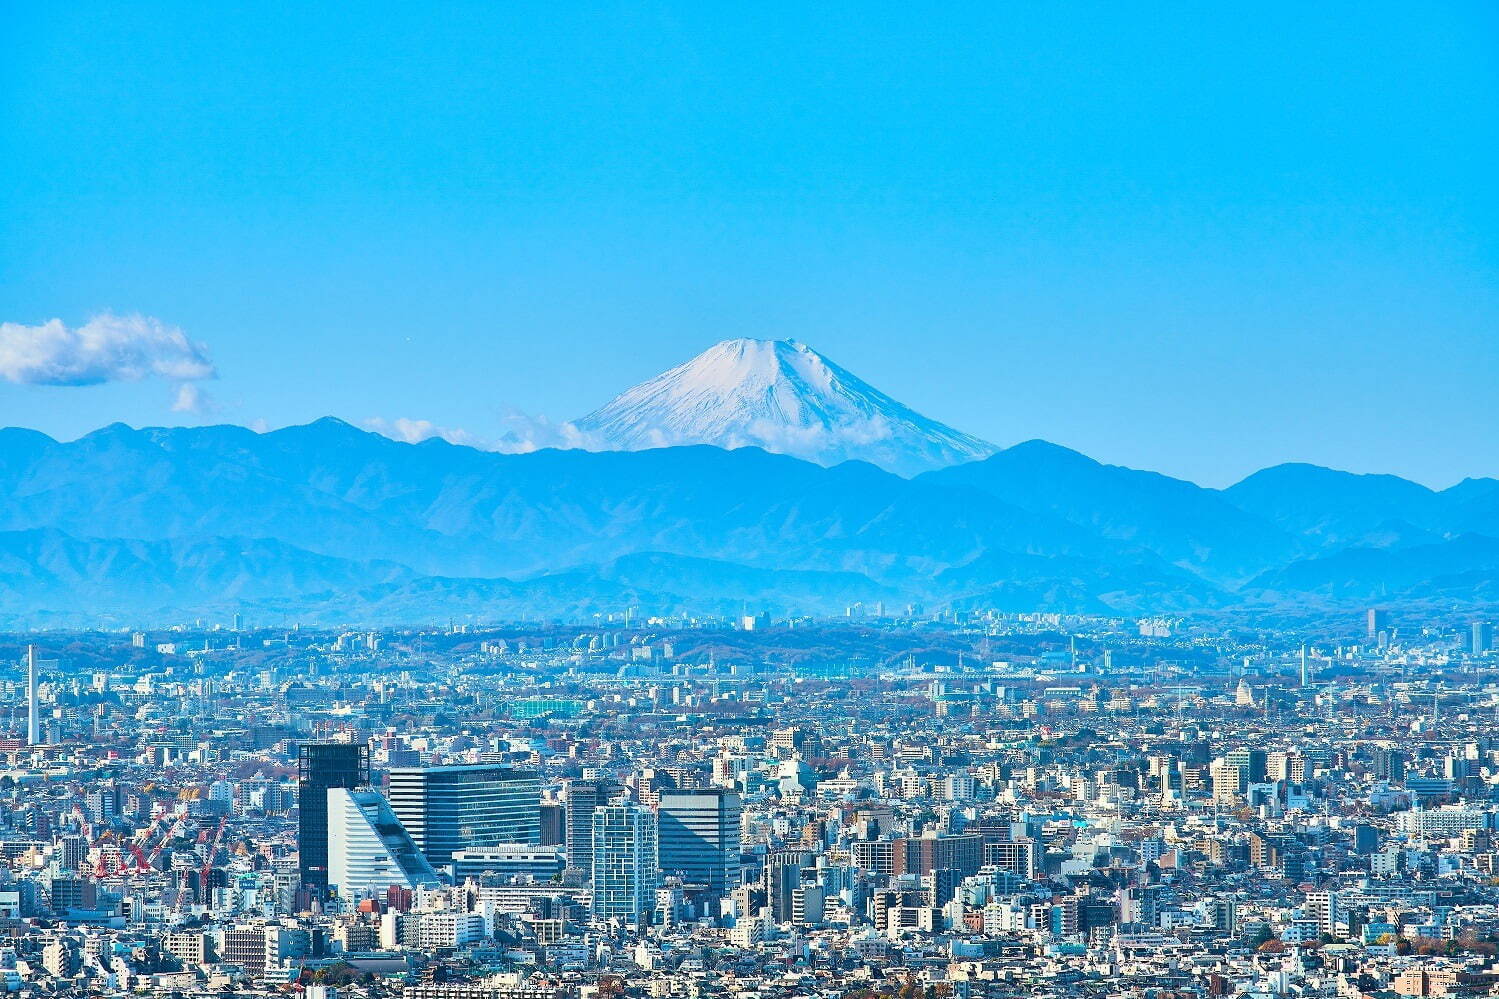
1462 569
1331 509
328 522
1181 522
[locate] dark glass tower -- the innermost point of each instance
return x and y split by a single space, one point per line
699 837
321 765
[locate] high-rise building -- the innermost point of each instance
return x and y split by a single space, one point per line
452 808
1252 761
781 879
1376 621
1223 915
921 855
33 705
553 823
625 871
1139 905
581 798
1482 639
321 765
700 837
104 803
1389 764
369 851
1019 857
1323 907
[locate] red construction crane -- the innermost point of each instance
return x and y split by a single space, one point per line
213 850
88 827
166 838
133 858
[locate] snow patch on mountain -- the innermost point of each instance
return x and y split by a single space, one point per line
782 396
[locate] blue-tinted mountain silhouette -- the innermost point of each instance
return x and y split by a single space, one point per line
326 522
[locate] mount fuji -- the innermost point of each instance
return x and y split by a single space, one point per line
784 397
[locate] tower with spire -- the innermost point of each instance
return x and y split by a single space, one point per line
33 707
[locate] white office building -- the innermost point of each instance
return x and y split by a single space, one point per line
368 849
511 860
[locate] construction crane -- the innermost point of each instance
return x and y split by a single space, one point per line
138 846
213 850
170 835
133 856
87 826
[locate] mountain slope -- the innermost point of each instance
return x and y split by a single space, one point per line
449 512
782 396
1181 522
329 523
1019 582
1465 568
48 577
1331 508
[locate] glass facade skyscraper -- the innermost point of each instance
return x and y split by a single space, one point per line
580 799
452 808
699 835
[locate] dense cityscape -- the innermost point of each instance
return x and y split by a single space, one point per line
886 803
749 501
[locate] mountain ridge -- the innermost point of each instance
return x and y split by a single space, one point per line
330 522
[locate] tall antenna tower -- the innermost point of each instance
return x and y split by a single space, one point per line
33 706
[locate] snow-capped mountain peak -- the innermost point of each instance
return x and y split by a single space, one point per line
782 396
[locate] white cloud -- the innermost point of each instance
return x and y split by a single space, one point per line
108 348
192 399
520 433
412 431
524 433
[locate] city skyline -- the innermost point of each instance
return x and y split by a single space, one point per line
664 501
702 802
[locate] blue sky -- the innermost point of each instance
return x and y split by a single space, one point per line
1188 238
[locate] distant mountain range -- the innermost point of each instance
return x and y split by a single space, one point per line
329 523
